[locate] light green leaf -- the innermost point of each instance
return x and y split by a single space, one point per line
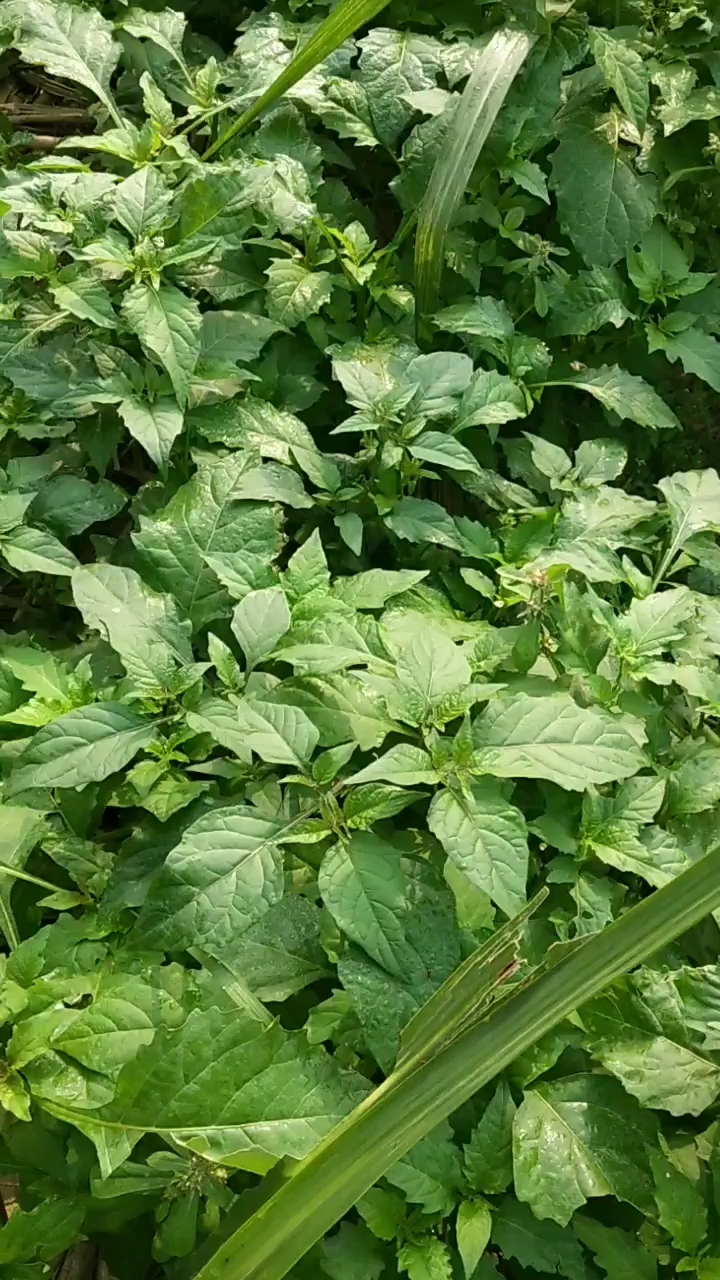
430 668
445 451
553 738
165 28
37 551
294 292
373 588
278 732
20 830
577 1138
427 1259
209 515
490 400
141 202
168 323
143 627
624 394
693 501
85 297
681 1207
482 318
352 1253
365 889
259 621
155 426
392 65
225 873
405 765
604 206
537 1243
74 43
698 352
86 745
472 1232
280 954
486 837
624 71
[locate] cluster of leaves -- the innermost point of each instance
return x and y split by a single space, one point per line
286 732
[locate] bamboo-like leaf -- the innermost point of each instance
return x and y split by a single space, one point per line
477 110
337 27
415 1098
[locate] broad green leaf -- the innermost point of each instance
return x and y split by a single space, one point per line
697 351
141 202
225 873
86 298
67 504
404 764
20 830
604 206
490 400
294 292
488 1154
619 1253
655 1053
143 627
165 28
486 837
156 426
554 738
624 71
280 953
259 621
577 1138
167 322
229 1088
427 1259
352 1254
625 395
693 502
373 801
252 424
392 65
83 746
681 1207
277 732
307 572
484 94
71 42
472 1232
430 668
537 1243
37 551
208 515
373 589
229 337
484 317
365 889
45 1231
654 623
444 451
592 299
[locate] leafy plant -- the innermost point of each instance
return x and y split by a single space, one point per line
325 655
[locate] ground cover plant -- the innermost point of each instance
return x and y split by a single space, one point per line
361 609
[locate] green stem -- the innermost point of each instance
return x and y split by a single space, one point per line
413 1100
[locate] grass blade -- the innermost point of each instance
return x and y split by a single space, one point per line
414 1099
337 27
477 110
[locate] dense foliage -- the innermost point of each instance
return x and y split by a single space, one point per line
324 651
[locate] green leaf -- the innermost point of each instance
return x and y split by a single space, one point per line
681 1208
225 873
624 394
280 953
698 352
578 1138
168 324
592 299
165 28
427 1259
693 502
444 451
481 318
624 71
620 1255
294 292
539 1244
229 337
394 64
155 426
20 830
472 1232
656 1055
430 668
76 44
86 298
486 837
373 588
32 550
43 1232
277 732
488 1154
553 738
352 1254
229 1088
86 745
143 627
484 94
259 621
404 764
365 889
141 202
604 206
209 515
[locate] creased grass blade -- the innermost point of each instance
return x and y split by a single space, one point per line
414 1099
477 110
337 27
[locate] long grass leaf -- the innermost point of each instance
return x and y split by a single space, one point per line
476 113
414 1099
337 27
